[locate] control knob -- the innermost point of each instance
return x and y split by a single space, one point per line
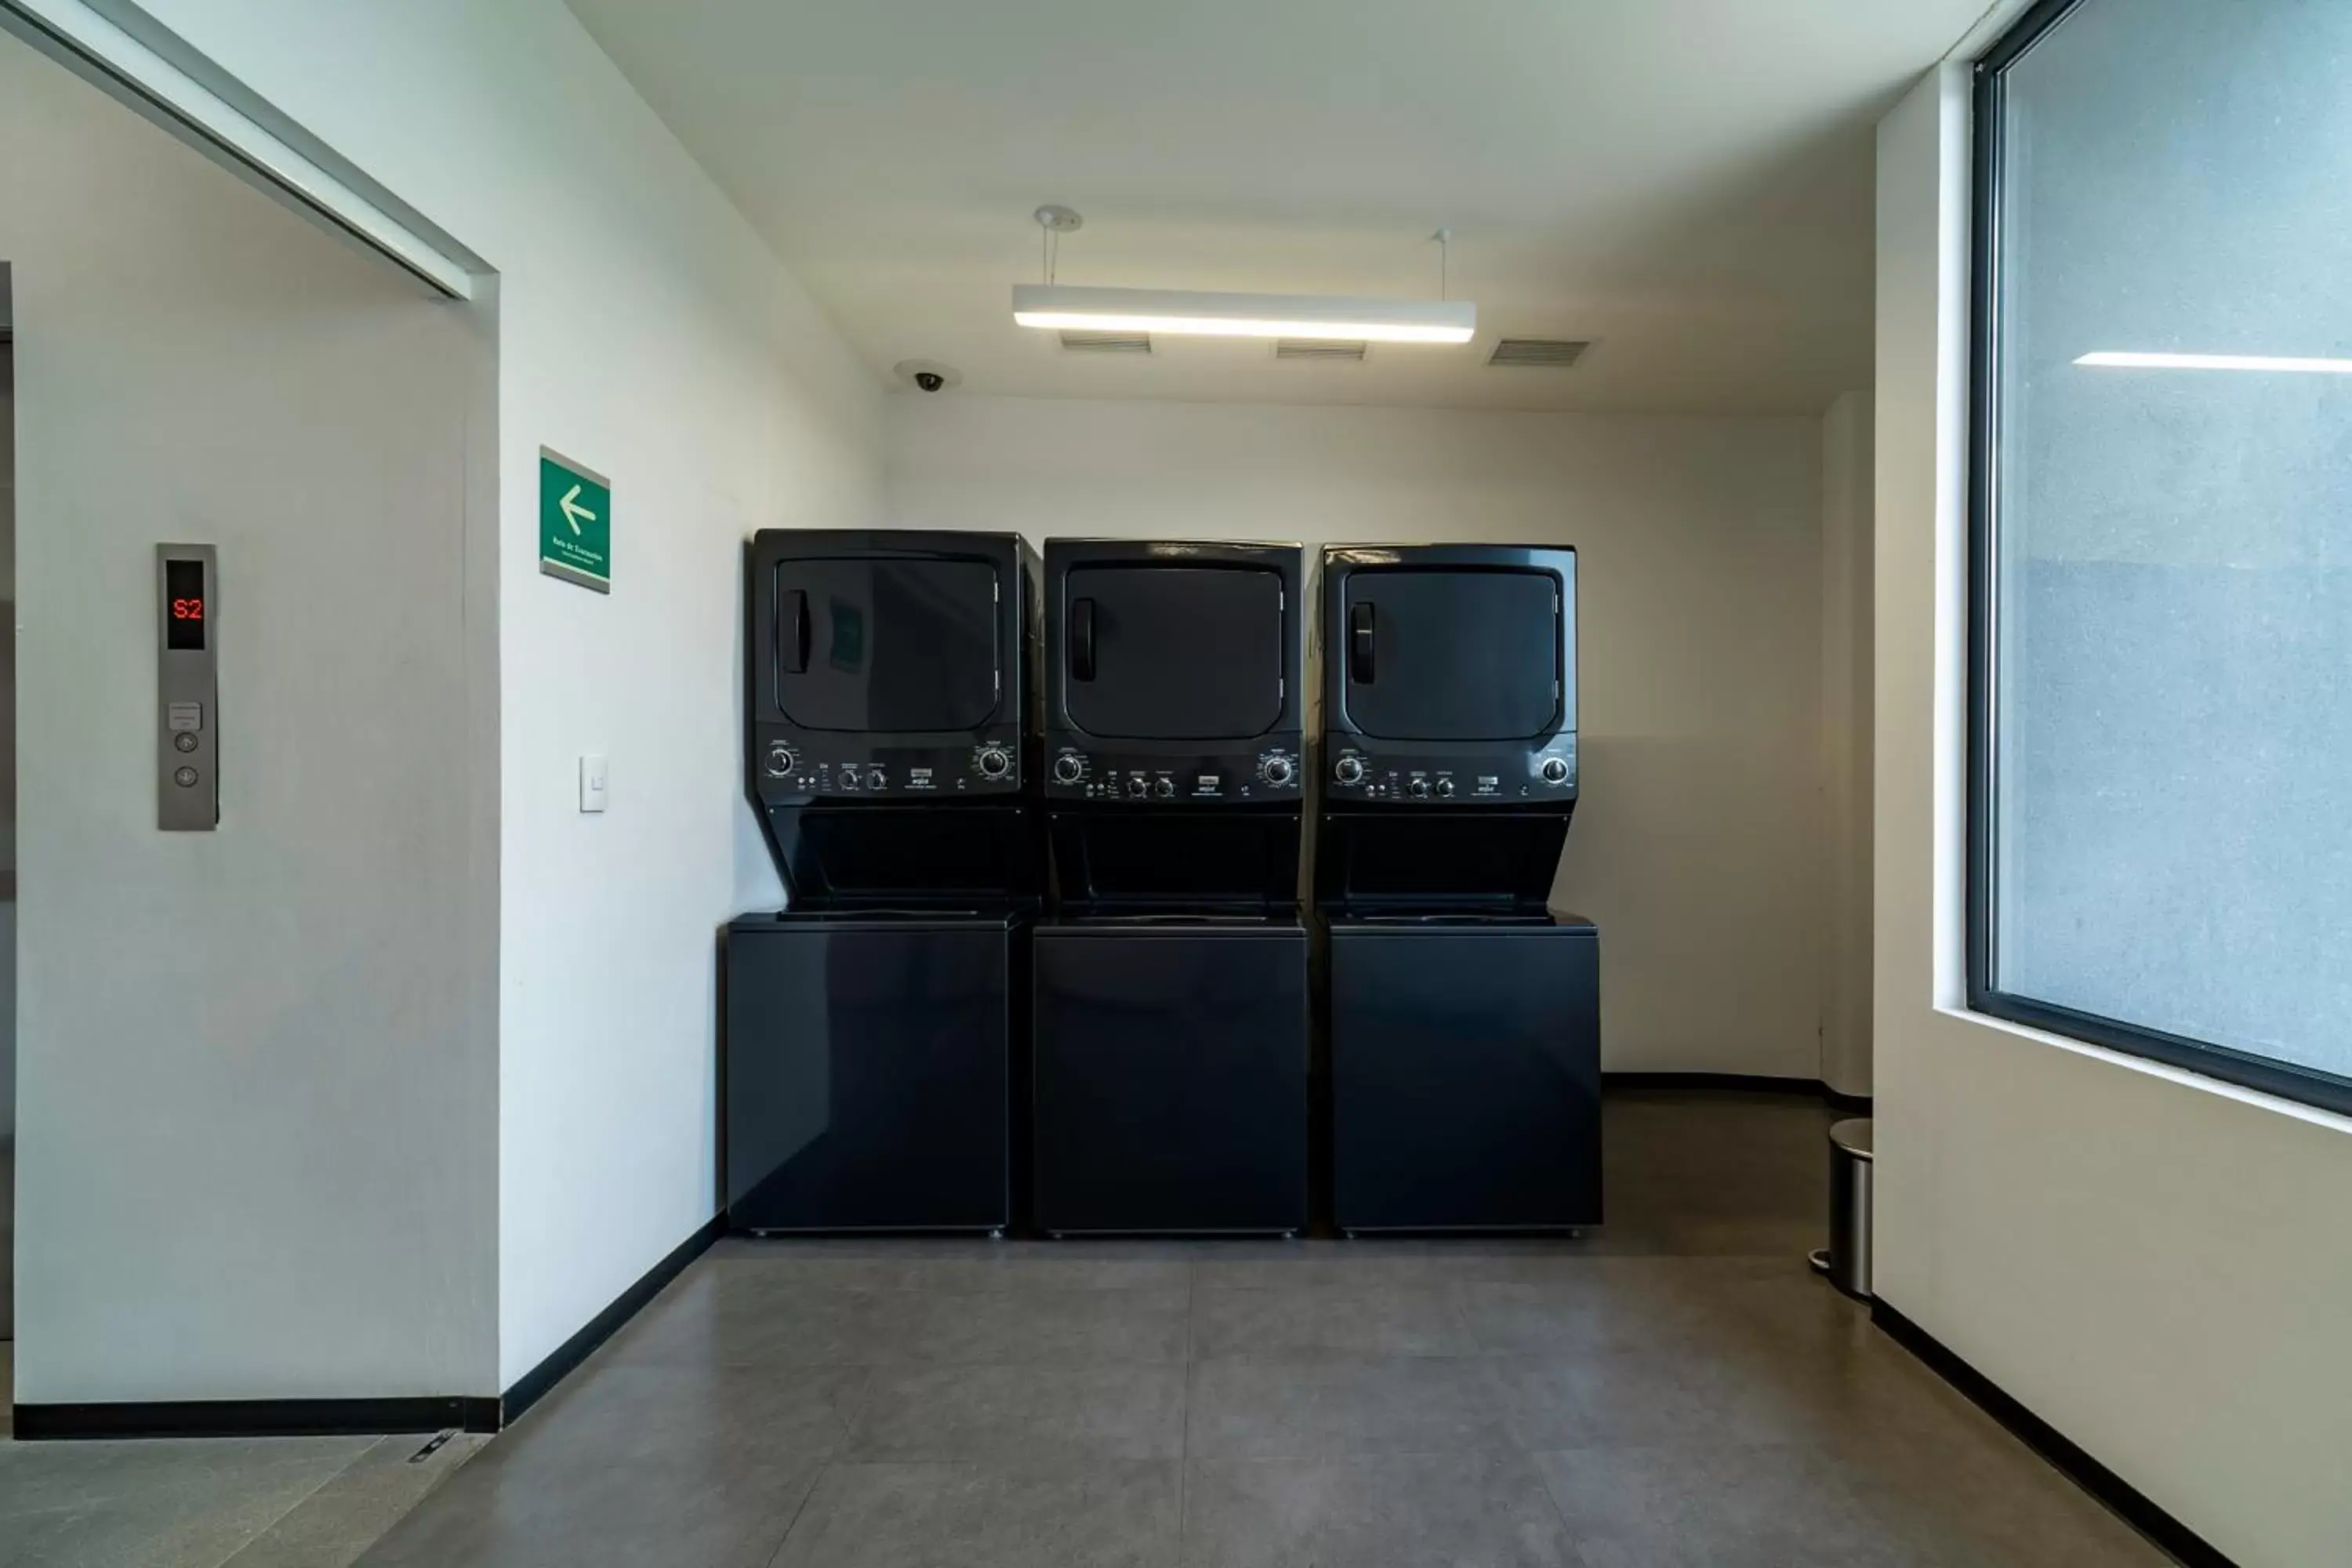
1137 786
1069 769
873 779
1163 788
1554 771
1349 770
1446 789
995 762
1277 770
780 761
1418 789
849 778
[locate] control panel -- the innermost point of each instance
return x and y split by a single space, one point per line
1441 779
187 705
1273 773
793 764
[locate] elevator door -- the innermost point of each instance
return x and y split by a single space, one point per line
887 645
1455 655
1173 653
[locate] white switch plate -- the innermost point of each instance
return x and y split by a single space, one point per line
591 784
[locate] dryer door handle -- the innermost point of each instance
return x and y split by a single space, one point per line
1360 642
1082 639
792 632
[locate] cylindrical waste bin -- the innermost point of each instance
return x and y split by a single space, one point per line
1846 1260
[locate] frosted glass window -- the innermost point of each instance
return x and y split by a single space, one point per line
2163 855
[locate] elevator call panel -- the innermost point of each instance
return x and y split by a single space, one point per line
187 719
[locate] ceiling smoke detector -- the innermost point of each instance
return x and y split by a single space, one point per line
1083 342
1317 348
1543 354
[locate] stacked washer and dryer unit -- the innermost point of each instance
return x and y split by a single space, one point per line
1464 1014
946 1001
874 1029
1172 1033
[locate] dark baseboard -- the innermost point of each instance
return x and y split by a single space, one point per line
532 1386
357 1417
2130 1504
254 1418
1741 1082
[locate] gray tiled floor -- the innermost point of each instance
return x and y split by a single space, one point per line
1678 1391
271 1502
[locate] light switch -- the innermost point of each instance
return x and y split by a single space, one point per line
591 784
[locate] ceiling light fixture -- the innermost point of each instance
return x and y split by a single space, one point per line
2217 362
1184 312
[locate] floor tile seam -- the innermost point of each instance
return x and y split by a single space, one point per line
1568 1532
1005 1467
1351 1455
1184 1445
282 1515
800 1508
864 1402
1328 1356
1040 1288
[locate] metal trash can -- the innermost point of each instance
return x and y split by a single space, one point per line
1846 1260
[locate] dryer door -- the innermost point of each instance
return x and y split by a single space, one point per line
1455 654
899 644
1172 653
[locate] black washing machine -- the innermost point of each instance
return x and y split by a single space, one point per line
1464 1014
871 1078
1172 1024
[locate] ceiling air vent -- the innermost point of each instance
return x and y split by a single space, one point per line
1108 342
1315 348
1552 354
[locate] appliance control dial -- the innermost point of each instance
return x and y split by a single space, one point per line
995 762
1277 770
1554 771
1136 787
873 779
1349 770
848 778
1446 788
1163 788
1070 768
780 761
1418 789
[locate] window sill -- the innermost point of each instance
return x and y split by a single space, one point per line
2187 1078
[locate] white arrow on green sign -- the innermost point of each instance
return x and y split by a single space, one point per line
575 522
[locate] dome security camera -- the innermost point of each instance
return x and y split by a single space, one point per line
926 374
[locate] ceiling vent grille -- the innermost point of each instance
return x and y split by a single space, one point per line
1317 348
1107 342
1550 354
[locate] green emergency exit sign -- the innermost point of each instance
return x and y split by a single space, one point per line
575 522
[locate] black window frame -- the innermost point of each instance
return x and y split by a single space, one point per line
2308 1086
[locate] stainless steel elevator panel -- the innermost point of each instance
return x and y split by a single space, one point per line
187 689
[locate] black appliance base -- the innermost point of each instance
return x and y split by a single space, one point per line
1465 1073
1171 1075
868 1070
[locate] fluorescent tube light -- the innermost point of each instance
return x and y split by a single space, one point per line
77 33
1176 312
2218 361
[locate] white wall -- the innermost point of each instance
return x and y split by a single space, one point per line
257 1155
7 735
1696 843
1846 725
646 331
2155 1263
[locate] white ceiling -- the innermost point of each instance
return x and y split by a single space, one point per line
1688 182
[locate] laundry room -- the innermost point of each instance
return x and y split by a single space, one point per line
1542 784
